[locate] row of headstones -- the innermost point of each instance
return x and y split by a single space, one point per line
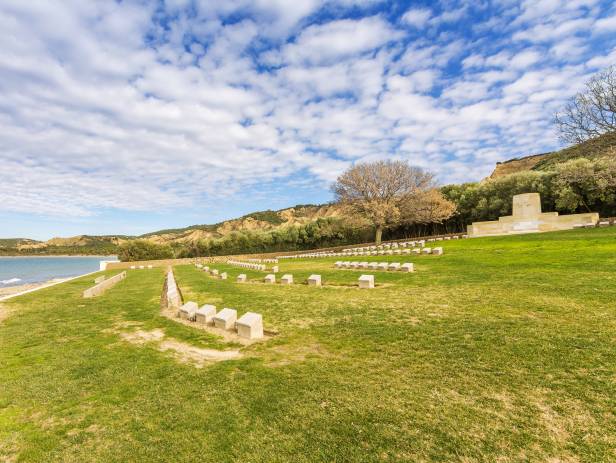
405 244
365 281
374 251
248 326
173 294
394 266
140 267
266 261
214 272
248 265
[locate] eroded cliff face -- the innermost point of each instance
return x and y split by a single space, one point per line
516 165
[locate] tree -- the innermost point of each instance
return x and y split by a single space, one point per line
386 193
583 184
592 112
427 207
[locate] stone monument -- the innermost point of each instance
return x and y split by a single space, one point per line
528 218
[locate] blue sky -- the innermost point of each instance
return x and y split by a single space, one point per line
127 117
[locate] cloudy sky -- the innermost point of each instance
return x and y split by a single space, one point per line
131 116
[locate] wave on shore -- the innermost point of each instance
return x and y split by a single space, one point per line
10 281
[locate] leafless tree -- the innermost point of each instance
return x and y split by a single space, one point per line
592 112
388 193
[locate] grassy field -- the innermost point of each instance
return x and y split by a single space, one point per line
502 350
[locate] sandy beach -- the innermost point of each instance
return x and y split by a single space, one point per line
9 290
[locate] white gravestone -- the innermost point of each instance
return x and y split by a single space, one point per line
205 315
250 326
188 311
225 319
366 281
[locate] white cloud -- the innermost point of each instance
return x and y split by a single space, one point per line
339 40
140 116
417 17
606 24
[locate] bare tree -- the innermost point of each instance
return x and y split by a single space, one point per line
382 192
427 207
592 112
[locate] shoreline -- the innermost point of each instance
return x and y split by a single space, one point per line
10 292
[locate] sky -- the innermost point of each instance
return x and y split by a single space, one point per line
125 117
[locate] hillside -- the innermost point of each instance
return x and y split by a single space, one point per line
600 147
256 221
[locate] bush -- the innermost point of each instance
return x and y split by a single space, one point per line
143 250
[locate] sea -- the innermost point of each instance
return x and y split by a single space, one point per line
24 270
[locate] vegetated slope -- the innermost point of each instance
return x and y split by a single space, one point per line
600 147
256 221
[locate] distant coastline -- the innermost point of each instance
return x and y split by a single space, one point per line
59 255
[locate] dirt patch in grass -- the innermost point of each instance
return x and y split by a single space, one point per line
141 337
181 351
186 353
287 354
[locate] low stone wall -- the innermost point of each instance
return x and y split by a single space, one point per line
100 288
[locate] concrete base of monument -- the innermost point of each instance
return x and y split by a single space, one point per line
528 218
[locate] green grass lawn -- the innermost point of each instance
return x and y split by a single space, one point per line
501 350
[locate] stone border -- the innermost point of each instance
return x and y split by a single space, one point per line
103 286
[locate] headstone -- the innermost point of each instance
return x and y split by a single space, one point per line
271 278
366 281
427 250
225 319
437 251
241 278
205 315
407 267
287 279
188 311
373 265
314 280
223 276
275 269
214 272
383 266
250 326
395 266
416 251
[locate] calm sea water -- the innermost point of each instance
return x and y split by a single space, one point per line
21 270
